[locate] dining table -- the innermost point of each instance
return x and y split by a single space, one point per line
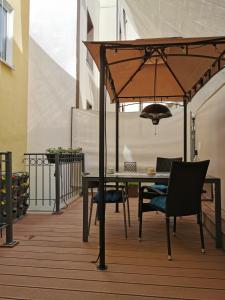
125 177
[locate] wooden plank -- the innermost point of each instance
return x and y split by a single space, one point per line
139 261
109 287
121 268
116 277
49 294
52 262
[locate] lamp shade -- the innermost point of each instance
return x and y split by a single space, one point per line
155 112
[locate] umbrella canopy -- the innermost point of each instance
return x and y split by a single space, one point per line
184 65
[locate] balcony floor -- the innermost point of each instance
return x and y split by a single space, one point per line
52 262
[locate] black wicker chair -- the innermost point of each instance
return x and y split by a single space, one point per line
183 197
163 164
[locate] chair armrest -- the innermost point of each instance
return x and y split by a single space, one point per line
143 187
151 189
160 193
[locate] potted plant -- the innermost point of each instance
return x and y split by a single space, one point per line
51 152
132 189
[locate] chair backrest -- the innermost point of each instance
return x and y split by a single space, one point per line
185 188
163 164
130 166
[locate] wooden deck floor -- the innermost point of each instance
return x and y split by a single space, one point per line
52 262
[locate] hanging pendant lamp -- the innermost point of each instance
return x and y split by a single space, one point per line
155 111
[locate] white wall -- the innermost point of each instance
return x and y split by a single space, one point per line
137 138
52 69
161 18
209 111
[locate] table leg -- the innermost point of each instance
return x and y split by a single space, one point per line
85 209
139 199
218 232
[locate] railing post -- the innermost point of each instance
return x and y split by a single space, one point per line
57 184
9 206
82 171
117 145
218 223
185 129
83 163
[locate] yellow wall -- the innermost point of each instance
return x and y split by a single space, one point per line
14 89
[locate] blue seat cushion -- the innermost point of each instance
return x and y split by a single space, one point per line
112 196
159 202
160 187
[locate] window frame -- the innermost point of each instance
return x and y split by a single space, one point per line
90 37
7 58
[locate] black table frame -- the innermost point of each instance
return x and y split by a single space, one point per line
158 179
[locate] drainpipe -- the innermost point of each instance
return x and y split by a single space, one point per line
117 20
78 57
71 126
117 105
77 99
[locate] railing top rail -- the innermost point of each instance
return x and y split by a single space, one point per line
47 153
34 153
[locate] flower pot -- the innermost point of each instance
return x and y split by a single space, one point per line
63 157
132 191
50 158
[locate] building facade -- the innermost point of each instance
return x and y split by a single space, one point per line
130 19
14 36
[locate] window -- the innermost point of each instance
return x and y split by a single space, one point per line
90 37
6 32
131 107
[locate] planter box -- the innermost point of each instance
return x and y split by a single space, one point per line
2 215
64 157
132 191
50 158
20 186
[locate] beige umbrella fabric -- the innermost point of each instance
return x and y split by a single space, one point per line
184 65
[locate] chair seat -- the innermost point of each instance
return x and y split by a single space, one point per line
151 191
159 202
112 196
160 187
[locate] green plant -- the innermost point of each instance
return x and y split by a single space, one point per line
61 150
132 183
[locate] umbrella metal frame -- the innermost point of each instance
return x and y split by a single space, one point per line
105 74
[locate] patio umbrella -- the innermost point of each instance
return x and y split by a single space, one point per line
127 70
184 66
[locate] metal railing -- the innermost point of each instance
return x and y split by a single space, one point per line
6 202
55 179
